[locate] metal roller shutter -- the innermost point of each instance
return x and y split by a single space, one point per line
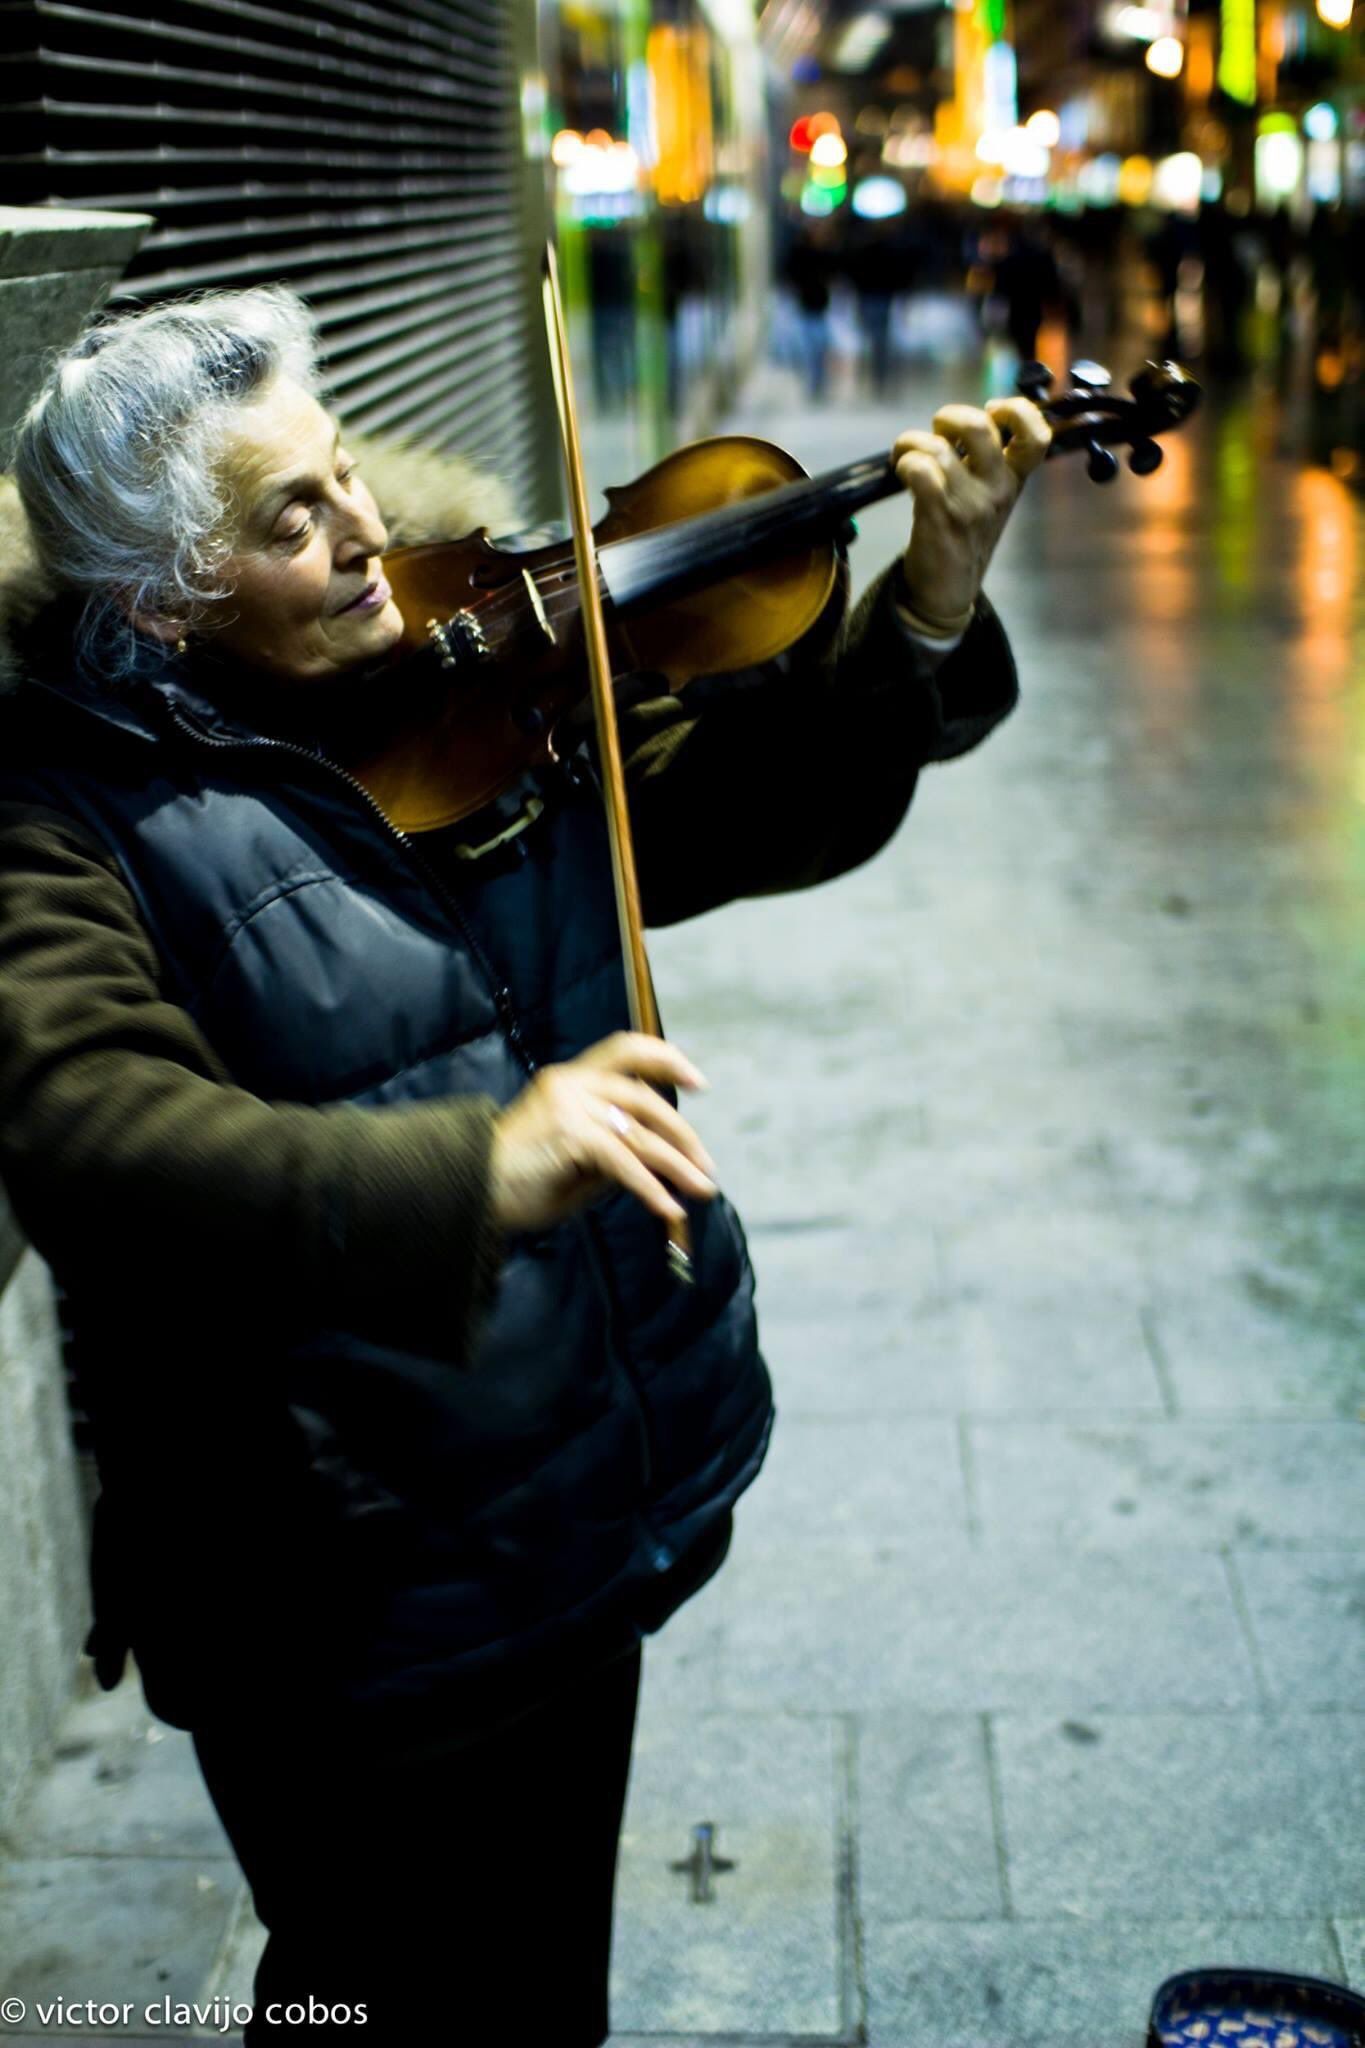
367 155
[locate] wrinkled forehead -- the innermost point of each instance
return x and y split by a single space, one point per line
279 438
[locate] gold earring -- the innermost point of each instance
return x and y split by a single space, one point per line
182 645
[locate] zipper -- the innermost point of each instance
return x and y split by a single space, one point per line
506 1013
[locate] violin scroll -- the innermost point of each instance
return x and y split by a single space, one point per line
1088 418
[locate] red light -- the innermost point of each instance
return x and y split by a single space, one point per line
806 127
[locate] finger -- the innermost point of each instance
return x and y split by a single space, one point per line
638 1052
923 476
920 441
667 1161
612 1156
976 434
1028 431
638 1100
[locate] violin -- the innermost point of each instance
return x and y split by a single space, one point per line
717 558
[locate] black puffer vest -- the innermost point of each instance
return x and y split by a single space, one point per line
541 1500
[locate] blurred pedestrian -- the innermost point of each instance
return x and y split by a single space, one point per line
1227 287
611 279
879 265
1021 282
808 270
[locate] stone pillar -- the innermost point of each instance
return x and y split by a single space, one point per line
56 268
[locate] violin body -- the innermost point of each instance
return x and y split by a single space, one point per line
512 682
742 618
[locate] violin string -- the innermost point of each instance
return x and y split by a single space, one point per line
656 553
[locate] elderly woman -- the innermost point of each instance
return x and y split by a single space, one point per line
353 1178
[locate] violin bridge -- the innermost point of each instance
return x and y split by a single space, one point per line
538 608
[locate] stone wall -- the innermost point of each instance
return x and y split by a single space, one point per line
44 1596
55 269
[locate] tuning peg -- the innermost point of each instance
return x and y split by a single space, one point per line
1144 457
1092 376
1165 392
1033 380
1102 465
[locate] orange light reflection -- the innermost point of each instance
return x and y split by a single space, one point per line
1326 524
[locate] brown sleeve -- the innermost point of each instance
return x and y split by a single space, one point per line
799 771
140 1170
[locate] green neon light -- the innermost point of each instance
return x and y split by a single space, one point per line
1237 51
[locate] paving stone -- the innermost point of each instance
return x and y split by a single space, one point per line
845 1629
1011 1353
841 1274
858 1481
681 1660
902 1357
987 1177
1307 1611
231 1975
1045 1252
1235 1347
121 1783
763 1957
1072 1347
121 1929
1350 1933
1234 1814
1196 1484
1057 1983
926 1837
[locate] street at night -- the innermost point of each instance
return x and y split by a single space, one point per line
1034 1673
433 1607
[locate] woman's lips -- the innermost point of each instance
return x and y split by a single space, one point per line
371 599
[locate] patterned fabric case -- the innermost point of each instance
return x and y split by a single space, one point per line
1254 2009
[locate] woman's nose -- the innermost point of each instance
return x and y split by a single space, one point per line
364 535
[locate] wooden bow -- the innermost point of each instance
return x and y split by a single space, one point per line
644 1015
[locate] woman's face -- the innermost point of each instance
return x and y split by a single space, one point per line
309 598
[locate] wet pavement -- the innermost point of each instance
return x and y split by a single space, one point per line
1035 1672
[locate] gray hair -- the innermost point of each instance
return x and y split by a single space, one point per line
116 459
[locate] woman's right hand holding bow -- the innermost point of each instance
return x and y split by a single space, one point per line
580 1125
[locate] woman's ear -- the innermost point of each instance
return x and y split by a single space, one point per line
170 632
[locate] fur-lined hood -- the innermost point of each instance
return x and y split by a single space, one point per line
422 496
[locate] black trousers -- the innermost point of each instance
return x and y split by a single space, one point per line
465 1900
